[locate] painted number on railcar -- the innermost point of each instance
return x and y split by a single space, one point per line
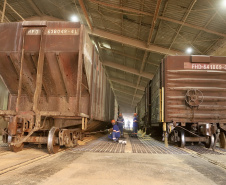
65 31
61 31
203 66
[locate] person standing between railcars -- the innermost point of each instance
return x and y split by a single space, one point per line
120 123
128 125
135 124
115 133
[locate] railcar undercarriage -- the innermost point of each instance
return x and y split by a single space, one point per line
206 133
23 128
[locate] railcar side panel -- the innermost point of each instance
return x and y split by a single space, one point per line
54 78
156 99
200 78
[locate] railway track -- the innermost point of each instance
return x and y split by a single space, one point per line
202 155
101 145
139 145
4 153
27 162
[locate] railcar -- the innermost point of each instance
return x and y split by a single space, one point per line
187 98
57 87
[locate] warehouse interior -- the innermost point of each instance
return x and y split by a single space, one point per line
131 38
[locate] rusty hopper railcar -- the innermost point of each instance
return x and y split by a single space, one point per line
188 99
57 85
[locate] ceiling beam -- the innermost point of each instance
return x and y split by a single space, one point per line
154 21
130 10
160 22
125 55
125 92
43 17
219 40
85 14
125 98
15 11
148 44
141 69
126 83
3 11
5 18
123 102
133 42
127 69
183 20
35 8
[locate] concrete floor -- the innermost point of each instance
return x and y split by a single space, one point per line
70 167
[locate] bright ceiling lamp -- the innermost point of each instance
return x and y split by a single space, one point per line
223 3
74 18
189 50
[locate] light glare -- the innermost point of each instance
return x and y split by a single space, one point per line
223 3
74 18
189 50
107 46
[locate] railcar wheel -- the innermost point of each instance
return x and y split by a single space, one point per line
182 141
210 142
52 146
222 140
15 148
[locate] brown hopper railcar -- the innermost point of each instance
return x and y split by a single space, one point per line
57 86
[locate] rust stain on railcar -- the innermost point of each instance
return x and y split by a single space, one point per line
195 89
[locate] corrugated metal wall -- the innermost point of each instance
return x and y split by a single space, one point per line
141 110
3 96
3 102
155 98
103 100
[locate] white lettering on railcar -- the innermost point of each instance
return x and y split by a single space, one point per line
60 31
203 66
34 32
64 31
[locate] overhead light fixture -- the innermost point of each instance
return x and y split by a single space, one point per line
189 50
106 46
74 18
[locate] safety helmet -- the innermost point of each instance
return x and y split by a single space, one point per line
135 114
113 121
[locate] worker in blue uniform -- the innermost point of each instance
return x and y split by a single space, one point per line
135 124
115 133
120 123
